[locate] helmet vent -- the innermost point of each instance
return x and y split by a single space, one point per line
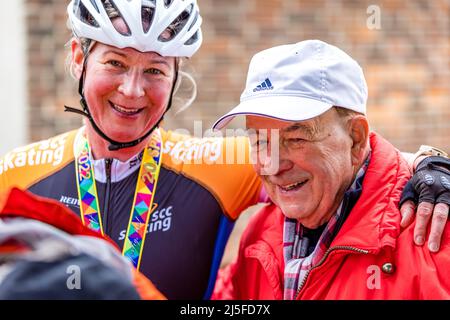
176 26
194 21
114 13
147 15
82 13
167 3
192 39
94 4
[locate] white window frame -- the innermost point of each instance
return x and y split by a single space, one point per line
13 77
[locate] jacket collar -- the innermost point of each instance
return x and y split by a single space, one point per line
374 221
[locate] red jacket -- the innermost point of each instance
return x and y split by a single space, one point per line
23 204
358 261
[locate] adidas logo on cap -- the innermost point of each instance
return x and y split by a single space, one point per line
265 85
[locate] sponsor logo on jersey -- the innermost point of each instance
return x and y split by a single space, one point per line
194 150
40 153
160 221
69 201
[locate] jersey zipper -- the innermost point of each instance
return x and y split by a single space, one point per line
325 256
108 163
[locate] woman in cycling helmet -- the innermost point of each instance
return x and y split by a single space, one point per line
122 174
136 48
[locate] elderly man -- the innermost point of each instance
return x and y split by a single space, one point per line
333 230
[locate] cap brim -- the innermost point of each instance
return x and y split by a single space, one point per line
287 108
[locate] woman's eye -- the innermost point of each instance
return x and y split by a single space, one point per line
153 71
115 63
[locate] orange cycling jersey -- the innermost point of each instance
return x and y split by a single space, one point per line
204 185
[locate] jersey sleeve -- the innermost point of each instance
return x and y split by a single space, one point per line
221 165
24 166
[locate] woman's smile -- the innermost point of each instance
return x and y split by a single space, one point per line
124 111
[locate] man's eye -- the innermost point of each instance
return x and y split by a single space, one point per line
261 144
294 142
153 71
258 143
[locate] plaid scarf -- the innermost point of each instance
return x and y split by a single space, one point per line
297 244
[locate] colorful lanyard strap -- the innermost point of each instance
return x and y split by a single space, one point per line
143 196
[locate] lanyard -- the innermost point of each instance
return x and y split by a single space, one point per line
143 196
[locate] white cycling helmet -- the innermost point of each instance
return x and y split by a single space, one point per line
89 19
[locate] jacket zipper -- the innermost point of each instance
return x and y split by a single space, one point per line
325 256
108 163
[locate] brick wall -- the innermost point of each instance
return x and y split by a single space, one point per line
49 85
406 61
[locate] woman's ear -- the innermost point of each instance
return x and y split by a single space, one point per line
359 133
77 58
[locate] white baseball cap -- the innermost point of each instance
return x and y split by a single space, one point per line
300 81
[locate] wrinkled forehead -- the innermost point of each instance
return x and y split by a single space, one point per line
261 122
108 51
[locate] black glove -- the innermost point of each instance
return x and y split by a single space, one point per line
430 183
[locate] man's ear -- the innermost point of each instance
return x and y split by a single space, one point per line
359 133
77 58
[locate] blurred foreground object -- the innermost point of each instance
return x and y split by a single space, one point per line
47 253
